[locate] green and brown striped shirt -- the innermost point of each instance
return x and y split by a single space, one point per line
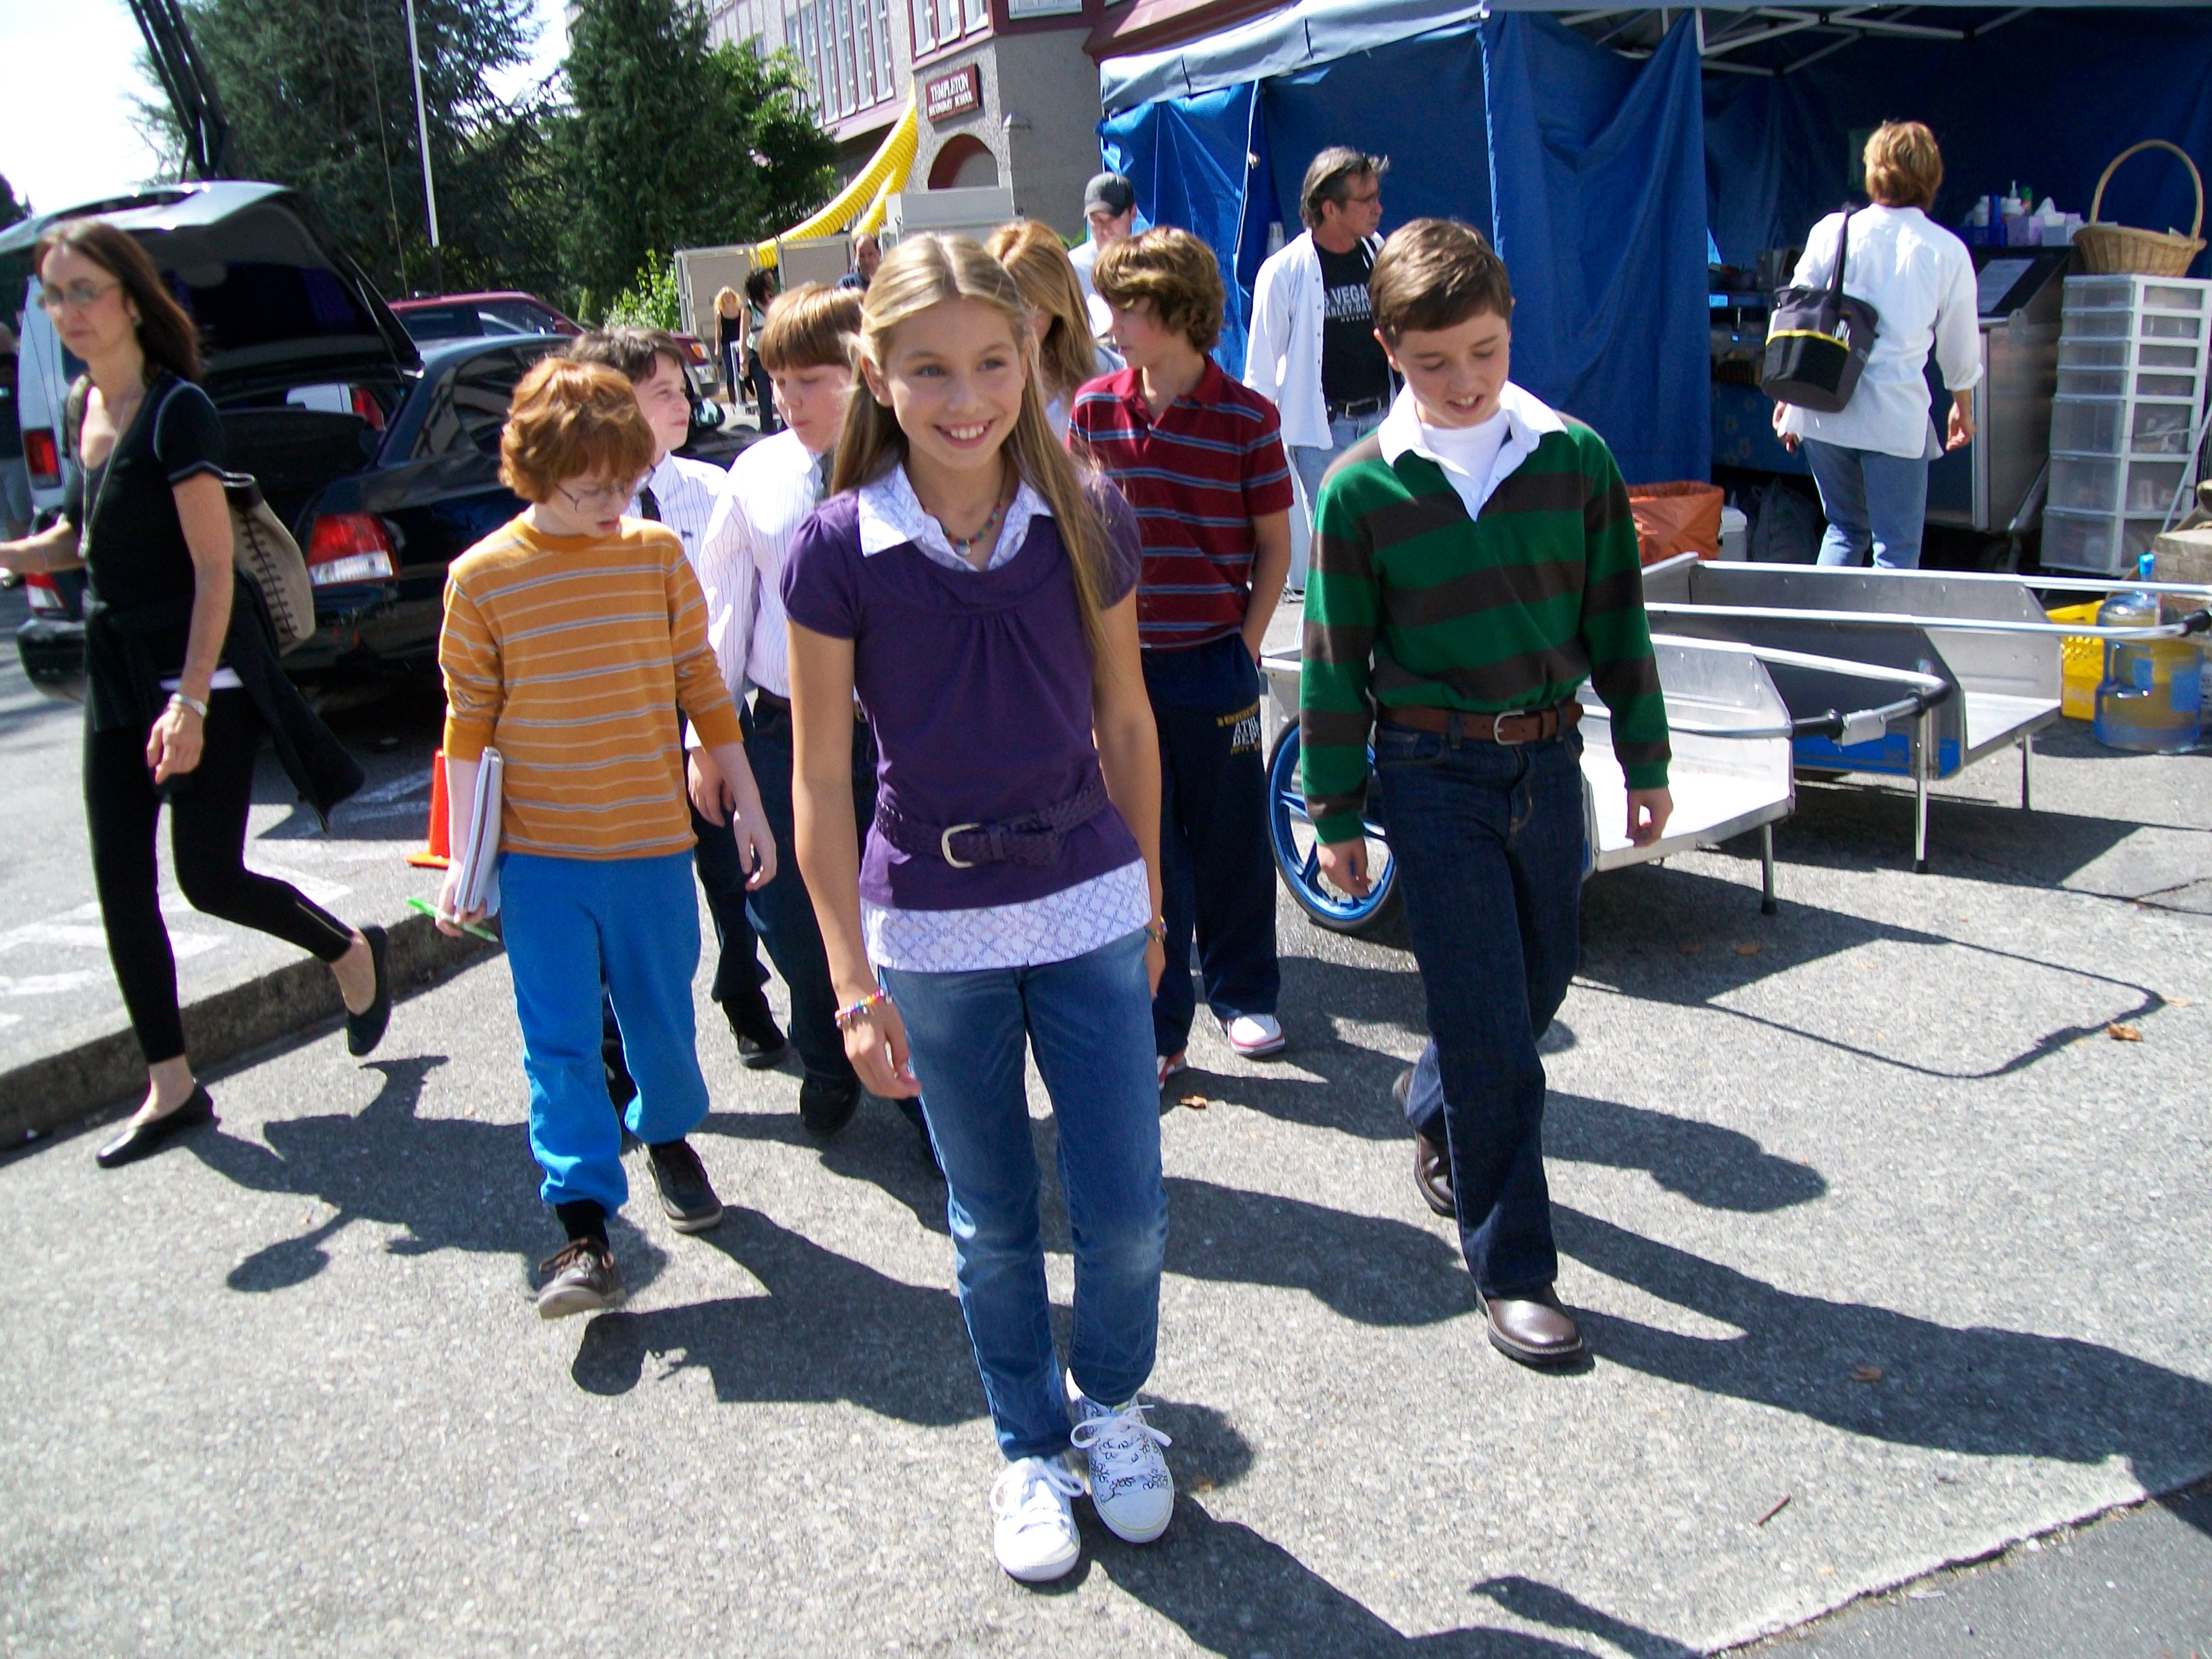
1413 602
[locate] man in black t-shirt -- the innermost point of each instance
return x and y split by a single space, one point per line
1313 294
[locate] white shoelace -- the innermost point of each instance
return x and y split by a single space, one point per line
1024 1492
1118 1442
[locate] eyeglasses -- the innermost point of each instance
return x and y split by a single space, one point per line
600 497
78 296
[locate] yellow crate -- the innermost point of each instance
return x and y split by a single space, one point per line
2081 659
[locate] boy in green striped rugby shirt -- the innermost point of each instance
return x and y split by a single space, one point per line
1474 561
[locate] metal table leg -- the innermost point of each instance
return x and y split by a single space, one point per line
1767 906
2026 771
1920 794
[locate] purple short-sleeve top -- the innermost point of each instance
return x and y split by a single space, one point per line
978 684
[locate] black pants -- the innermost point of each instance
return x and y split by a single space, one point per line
756 376
207 846
1217 877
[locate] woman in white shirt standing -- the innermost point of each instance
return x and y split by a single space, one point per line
1870 459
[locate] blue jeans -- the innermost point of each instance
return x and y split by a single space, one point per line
1873 501
1217 877
1489 844
1088 1021
568 923
1311 464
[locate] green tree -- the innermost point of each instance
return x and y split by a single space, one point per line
320 96
10 209
670 145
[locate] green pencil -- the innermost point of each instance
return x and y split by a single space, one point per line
469 927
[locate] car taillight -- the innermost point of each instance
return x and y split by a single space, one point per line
698 351
350 547
368 409
42 457
39 587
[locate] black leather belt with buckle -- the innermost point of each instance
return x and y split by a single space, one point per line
1355 409
1509 729
1034 839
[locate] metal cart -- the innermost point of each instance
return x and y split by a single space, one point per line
1986 636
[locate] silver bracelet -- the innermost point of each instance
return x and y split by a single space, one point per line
179 700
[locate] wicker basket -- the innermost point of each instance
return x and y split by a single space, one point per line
2122 250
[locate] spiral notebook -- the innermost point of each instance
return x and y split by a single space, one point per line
478 856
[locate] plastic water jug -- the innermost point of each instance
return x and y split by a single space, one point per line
2153 695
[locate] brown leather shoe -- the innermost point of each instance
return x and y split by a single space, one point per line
1431 1164
1432 1175
1532 1329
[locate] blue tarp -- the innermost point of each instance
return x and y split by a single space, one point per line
1587 169
2047 100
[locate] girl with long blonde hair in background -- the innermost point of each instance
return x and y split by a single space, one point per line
1067 355
977 592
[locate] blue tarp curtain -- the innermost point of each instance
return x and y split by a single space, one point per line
2046 100
1598 168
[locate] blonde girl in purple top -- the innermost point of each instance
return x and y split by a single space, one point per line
975 591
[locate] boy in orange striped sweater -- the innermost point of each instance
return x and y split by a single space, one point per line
572 636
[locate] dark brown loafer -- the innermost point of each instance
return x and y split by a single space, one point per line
1432 1175
1534 1329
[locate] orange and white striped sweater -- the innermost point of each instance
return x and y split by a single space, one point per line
571 654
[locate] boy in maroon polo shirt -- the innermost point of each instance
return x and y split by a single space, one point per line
1201 457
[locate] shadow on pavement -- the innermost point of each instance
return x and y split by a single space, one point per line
1979 1391
1650 938
451 1183
1235 1592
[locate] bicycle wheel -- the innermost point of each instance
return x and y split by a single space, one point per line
1298 851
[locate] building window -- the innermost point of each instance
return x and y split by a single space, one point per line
886 80
941 23
845 46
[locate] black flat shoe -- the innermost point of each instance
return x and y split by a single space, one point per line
365 1030
140 1141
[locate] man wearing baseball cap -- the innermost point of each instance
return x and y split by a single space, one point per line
1110 207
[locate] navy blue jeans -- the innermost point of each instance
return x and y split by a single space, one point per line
1489 844
1217 877
781 912
1084 1020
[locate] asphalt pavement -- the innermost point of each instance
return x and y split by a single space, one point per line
1889 1217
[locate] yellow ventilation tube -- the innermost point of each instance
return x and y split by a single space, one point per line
867 197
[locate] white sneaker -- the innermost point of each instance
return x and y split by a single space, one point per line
1033 1528
1254 1035
1171 1064
1130 1487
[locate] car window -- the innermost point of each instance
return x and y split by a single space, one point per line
520 315
443 322
469 409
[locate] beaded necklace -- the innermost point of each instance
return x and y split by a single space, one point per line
964 546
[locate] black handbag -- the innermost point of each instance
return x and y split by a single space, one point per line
1817 340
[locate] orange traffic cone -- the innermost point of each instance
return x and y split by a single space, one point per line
436 854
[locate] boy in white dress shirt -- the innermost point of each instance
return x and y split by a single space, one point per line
682 493
775 487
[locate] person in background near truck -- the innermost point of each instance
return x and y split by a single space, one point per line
760 288
183 672
1313 352
15 479
1109 208
574 635
1870 457
1475 559
1200 459
730 343
867 254
682 493
1067 354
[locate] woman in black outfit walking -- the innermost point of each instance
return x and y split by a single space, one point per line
760 291
171 652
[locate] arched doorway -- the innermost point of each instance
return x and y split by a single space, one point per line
964 163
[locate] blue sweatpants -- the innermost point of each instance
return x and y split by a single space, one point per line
567 922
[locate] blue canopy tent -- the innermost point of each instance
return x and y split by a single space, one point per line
1599 149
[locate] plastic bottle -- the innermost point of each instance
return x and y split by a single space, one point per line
2152 700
